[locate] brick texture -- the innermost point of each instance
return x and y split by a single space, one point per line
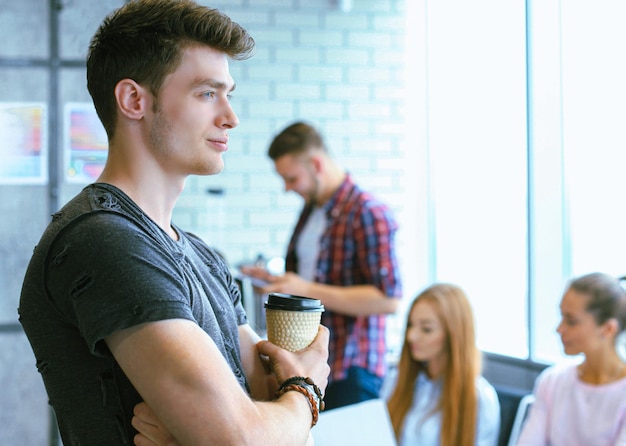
343 71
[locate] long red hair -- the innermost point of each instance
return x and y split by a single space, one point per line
458 402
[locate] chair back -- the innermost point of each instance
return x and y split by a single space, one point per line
520 416
509 398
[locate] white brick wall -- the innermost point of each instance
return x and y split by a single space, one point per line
343 71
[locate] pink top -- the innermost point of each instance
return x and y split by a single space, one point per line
569 412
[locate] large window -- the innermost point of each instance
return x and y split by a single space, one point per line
594 158
523 141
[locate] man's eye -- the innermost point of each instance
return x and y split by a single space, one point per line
210 94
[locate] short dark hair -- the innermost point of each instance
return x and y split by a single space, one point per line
607 298
144 40
296 139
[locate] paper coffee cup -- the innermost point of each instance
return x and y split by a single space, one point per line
292 321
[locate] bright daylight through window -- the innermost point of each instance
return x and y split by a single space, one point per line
524 150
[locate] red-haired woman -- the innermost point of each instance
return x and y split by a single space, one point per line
439 396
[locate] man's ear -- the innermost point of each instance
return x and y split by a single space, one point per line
316 162
132 99
610 328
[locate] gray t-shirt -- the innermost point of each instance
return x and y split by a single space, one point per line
101 266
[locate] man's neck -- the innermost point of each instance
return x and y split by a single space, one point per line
149 187
332 182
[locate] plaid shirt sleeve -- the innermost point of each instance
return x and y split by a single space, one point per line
374 237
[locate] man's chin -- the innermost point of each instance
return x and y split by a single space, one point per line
213 169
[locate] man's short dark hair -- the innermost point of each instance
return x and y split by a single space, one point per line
144 41
296 139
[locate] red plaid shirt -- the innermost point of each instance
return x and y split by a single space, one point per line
356 248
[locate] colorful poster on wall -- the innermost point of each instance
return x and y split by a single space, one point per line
86 145
23 143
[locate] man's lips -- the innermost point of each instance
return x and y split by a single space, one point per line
221 143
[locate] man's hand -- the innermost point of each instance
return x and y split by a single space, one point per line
151 431
310 362
264 282
289 283
256 272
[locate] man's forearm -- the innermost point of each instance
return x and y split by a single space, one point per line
357 300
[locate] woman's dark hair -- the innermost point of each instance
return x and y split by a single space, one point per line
144 40
607 298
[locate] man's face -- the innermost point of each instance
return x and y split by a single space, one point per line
190 123
299 175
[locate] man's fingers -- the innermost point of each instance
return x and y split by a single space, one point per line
142 410
146 429
141 440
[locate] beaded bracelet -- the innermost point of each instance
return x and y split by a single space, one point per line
310 398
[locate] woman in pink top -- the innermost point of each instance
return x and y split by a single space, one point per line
584 404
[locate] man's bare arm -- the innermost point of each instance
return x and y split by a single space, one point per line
182 376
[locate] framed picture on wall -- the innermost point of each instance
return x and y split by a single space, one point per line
86 145
23 143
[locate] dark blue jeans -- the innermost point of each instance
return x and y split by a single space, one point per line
359 385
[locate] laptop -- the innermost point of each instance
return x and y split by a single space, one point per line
362 424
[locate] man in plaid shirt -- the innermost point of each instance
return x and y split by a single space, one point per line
342 252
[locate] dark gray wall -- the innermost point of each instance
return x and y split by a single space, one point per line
36 65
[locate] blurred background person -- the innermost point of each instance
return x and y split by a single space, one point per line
342 251
584 404
437 396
